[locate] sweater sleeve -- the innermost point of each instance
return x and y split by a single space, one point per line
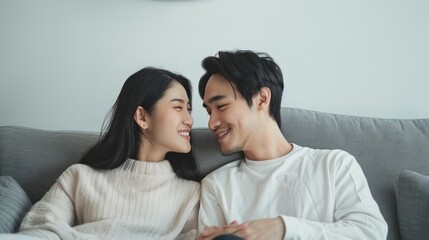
356 214
210 213
189 231
52 217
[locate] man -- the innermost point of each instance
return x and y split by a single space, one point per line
279 190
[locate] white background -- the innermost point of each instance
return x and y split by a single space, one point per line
63 62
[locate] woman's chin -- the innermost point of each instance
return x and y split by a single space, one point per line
186 149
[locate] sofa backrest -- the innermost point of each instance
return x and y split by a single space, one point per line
36 158
383 148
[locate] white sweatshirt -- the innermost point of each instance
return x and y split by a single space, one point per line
138 200
320 194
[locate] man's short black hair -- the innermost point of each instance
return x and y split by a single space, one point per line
247 72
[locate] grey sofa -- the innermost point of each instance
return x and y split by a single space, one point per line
394 155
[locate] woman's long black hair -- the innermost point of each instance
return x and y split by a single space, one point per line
121 139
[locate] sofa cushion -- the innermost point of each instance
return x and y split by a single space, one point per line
14 203
412 198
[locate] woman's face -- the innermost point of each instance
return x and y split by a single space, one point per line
171 121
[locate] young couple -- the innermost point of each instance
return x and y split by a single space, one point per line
124 188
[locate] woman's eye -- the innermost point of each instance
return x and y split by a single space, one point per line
189 109
178 107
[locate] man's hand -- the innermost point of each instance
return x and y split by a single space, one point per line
212 232
269 228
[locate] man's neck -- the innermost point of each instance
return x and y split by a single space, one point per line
267 143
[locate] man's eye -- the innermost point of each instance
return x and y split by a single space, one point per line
178 107
189 109
221 107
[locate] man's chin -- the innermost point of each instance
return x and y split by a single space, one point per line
229 150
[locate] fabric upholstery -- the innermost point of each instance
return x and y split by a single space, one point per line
382 147
35 158
206 151
412 200
14 203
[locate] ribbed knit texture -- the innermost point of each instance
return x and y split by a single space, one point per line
138 200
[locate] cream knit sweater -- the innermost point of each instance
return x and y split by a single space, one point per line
138 200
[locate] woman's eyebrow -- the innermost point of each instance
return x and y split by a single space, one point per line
178 100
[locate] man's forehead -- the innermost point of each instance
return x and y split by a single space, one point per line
218 85
217 80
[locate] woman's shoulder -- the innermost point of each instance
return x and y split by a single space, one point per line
77 170
187 190
188 184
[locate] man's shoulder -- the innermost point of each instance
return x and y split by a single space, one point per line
325 162
325 153
327 157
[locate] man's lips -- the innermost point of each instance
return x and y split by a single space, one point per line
221 134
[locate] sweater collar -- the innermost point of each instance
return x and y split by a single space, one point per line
147 168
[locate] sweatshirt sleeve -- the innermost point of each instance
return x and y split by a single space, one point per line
356 214
53 216
210 213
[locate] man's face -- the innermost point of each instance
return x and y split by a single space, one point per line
231 119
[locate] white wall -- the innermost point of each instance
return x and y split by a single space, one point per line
63 62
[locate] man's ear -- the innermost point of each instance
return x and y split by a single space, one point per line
264 98
141 117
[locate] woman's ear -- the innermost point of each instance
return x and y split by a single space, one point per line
264 98
141 117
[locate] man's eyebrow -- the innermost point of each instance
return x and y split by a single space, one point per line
214 99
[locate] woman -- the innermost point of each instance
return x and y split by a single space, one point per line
123 188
